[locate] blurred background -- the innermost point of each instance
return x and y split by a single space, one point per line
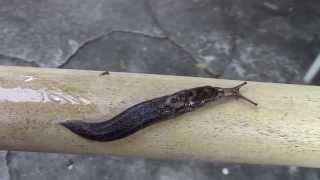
268 41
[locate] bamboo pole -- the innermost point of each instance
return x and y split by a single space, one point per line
284 129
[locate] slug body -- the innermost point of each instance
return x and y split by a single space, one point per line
149 112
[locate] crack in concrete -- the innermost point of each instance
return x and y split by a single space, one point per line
154 18
168 37
103 35
17 60
8 161
233 51
83 45
234 34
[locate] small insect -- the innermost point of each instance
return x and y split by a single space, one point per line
152 111
104 73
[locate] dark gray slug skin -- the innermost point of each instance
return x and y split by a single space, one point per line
149 112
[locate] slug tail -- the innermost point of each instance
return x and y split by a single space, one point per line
86 130
101 131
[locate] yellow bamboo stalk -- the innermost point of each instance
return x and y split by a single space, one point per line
284 129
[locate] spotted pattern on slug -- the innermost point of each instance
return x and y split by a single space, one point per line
149 112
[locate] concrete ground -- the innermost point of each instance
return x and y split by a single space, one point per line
269 40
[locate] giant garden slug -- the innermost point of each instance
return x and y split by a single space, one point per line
152 111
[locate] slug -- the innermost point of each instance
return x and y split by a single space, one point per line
152 111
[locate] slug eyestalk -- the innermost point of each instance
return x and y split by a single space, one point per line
235 92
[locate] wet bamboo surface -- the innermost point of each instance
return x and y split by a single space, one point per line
284 129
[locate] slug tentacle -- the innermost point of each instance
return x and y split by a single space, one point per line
235 91
149 112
